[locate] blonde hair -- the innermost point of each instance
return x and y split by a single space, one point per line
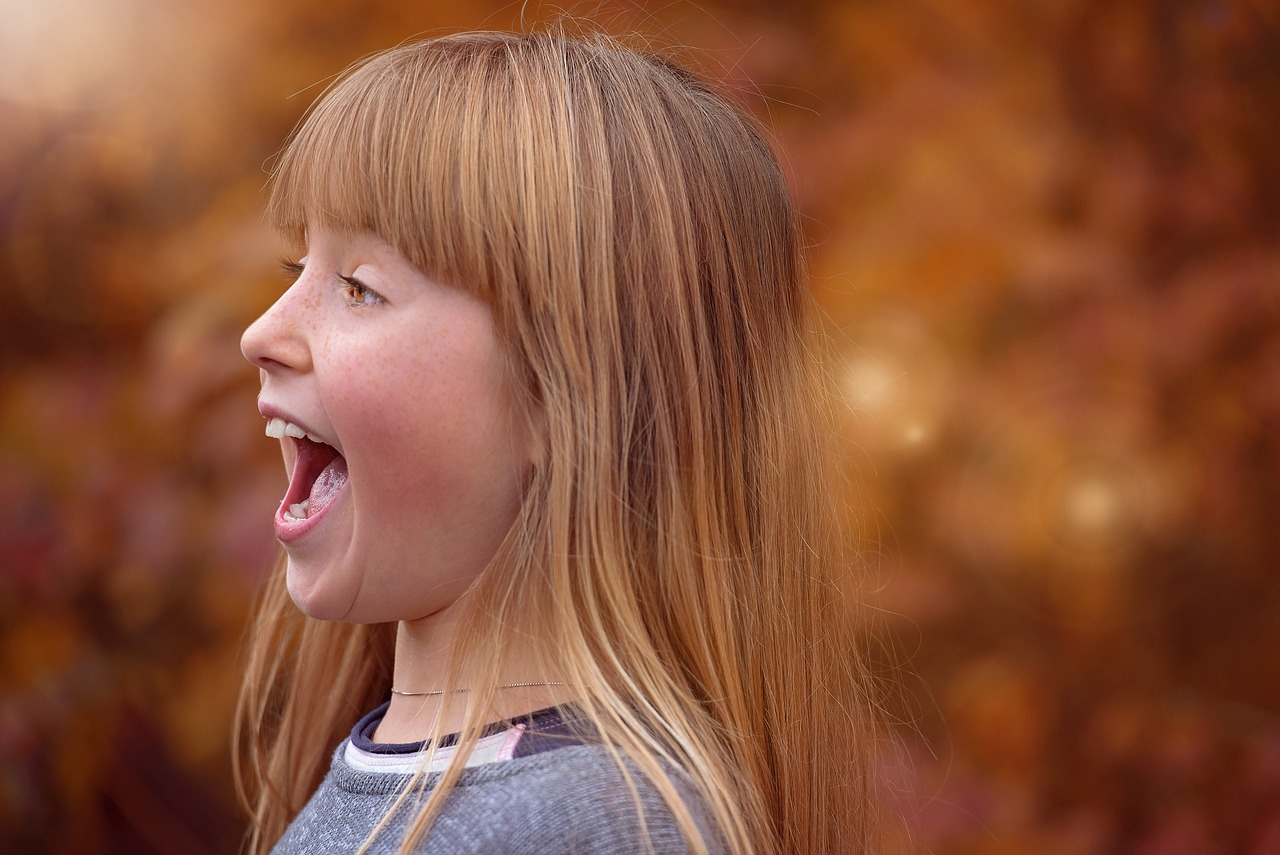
677 556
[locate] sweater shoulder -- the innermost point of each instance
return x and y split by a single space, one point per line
577 800
574 799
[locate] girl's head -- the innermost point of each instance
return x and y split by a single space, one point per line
631 234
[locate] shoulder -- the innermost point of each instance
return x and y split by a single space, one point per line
574 799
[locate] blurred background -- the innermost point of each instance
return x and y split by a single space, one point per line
1045 235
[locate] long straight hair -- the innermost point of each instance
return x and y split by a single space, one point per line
677 556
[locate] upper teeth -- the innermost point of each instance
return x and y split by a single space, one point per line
277 428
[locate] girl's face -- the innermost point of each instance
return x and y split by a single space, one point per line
405 456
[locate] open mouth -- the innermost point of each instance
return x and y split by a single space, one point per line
319 474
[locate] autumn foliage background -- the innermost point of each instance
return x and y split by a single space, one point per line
1045 235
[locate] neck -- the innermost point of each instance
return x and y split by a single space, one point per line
424 648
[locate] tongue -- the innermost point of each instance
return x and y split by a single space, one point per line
328 484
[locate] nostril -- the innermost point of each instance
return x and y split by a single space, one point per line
266 363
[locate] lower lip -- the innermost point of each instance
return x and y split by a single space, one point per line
289 531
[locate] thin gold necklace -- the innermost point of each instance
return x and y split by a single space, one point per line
436 692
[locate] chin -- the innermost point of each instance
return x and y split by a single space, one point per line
313 600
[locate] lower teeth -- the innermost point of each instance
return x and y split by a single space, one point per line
298 512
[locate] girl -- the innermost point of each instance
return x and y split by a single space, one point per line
558 509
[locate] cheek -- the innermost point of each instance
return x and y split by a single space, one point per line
427 406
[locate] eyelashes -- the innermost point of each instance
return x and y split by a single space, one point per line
290 269
358 294
355 292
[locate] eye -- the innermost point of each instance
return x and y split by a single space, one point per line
357 293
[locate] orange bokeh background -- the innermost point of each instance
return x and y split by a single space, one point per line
1046 237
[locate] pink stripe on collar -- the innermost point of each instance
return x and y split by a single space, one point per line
508 748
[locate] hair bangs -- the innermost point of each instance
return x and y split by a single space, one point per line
395 147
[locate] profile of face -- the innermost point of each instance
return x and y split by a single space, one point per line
397 418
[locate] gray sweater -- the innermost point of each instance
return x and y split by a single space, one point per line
569 800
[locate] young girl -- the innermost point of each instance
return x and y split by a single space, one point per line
558 520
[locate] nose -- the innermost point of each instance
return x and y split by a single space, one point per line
275 342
